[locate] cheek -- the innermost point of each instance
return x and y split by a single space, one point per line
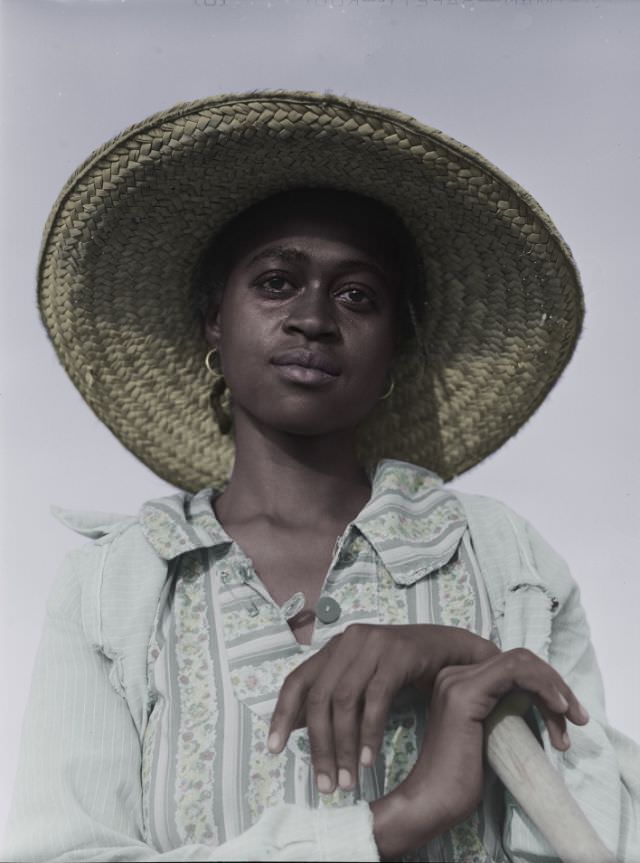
378 347
366 374
244 344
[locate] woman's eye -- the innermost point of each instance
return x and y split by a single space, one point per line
356 296
273 284
277 285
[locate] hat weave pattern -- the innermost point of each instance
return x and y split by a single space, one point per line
503 302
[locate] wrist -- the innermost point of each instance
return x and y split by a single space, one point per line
405 819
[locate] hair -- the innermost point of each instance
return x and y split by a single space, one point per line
215 262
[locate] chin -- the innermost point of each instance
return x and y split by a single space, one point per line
306 427
307 417
312 423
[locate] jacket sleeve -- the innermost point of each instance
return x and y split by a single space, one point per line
78 790
602 767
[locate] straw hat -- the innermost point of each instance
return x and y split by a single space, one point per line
504 306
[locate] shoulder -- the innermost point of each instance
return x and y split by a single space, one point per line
492 523
481 507
112 582
511 550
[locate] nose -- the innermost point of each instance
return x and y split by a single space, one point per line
312 314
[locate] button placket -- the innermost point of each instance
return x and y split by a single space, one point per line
328 610
346 599
244 579
293 605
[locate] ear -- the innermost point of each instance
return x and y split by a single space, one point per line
212 327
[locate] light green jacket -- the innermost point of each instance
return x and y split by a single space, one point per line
78 791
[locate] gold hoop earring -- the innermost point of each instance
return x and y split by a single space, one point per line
221 412
209 359
389 391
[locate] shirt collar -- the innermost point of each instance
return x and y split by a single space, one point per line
414 524
182 522
412 521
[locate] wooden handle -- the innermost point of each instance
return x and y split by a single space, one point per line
520 762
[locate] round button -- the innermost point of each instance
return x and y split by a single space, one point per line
327 609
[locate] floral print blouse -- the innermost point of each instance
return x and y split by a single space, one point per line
221 649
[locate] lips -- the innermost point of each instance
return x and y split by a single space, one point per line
308 360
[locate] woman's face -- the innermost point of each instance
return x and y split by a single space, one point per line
320 283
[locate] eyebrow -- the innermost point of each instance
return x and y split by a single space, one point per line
294 255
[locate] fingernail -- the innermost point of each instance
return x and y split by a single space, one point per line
566 740
274 743
366 756
324 783
583 713
344 778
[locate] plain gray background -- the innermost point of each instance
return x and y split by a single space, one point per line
546 89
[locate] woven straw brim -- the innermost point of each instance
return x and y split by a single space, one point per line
504 306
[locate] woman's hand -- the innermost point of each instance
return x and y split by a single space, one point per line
445 785
343 693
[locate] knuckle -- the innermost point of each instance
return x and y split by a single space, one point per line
479 647
317 698
395 654
443 678
345 697
320 752
378 689
522 655
374 714
290 679
372 726
333 644
452 692
355 630
376 636
487 649
294 679
442 683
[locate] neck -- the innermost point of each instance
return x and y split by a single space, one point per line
293 480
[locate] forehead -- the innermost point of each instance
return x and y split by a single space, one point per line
347 231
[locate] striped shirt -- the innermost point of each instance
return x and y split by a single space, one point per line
162 655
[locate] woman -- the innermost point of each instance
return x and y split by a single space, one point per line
243 672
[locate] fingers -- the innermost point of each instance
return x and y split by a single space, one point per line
325 693
472 691
344 692
305 699
566 706
555 699
346 710
334 707
421 650
291 703
556 725
321 738
377 704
